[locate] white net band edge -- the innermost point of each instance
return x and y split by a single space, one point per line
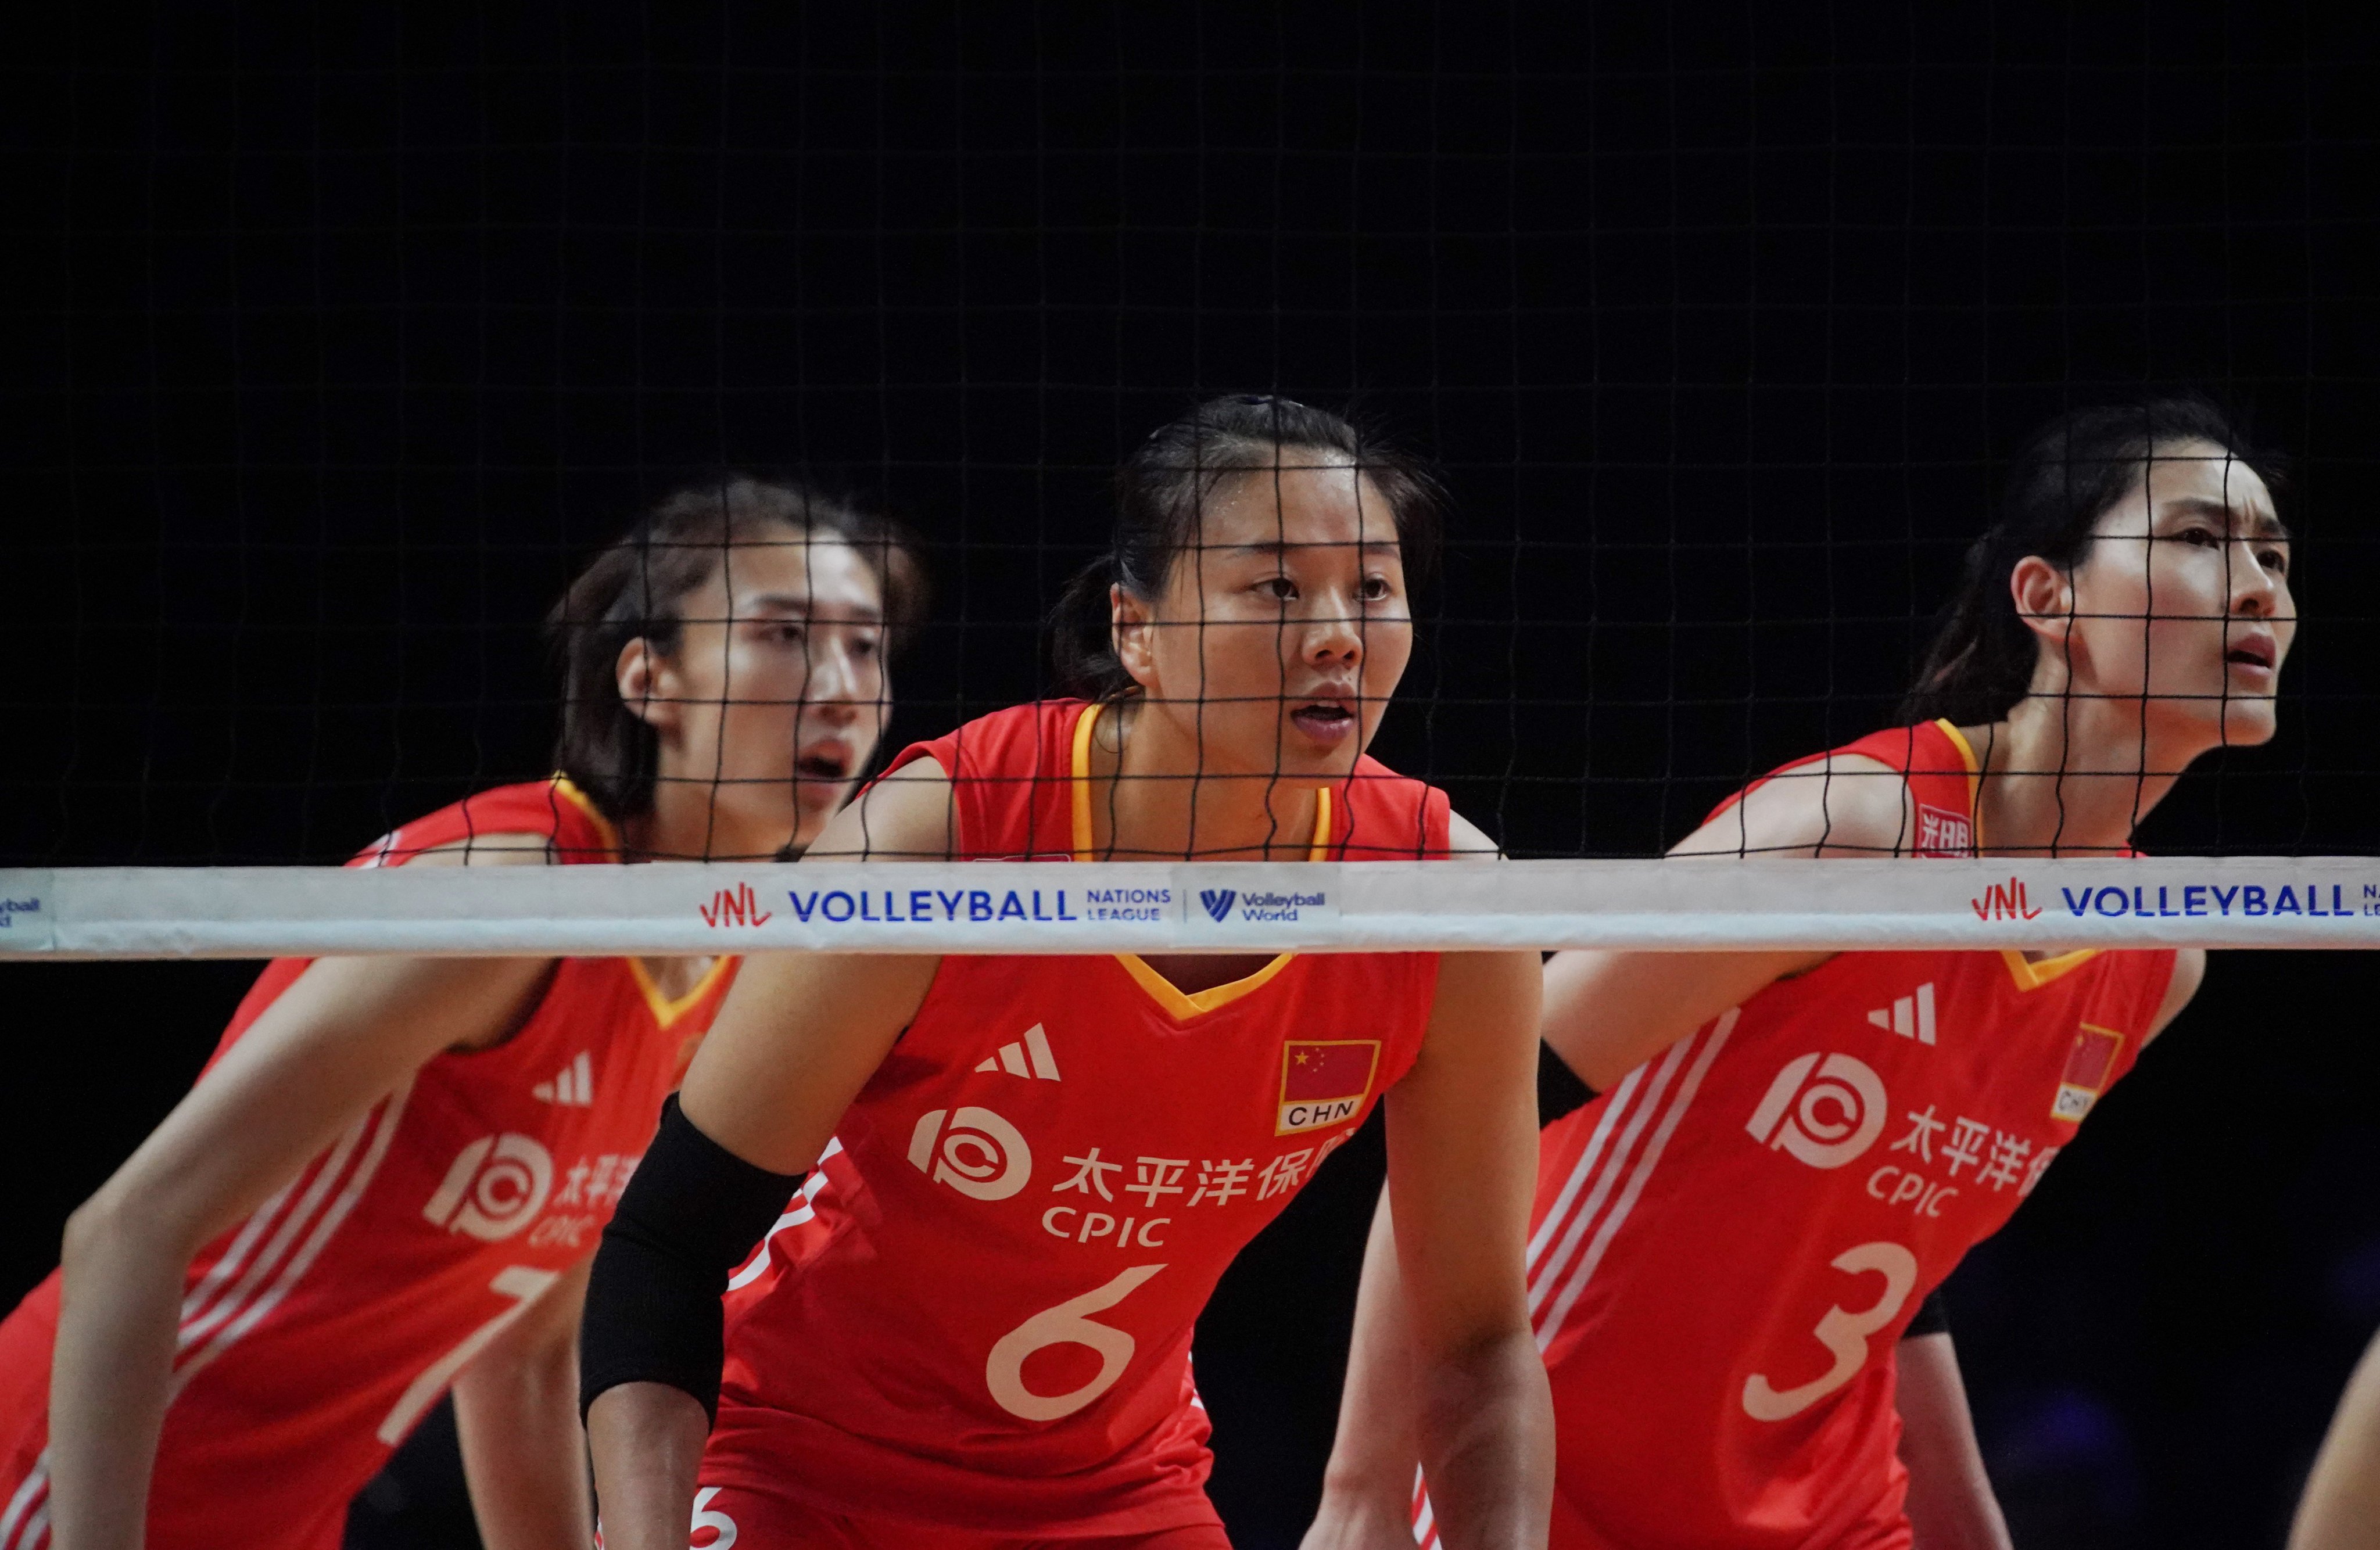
1015 907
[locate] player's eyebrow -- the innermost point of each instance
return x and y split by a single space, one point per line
1279 546
2258 521
804 605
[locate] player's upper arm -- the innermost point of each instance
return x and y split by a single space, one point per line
1466 842
910 814
1462 1150
338 1038
1607 1012
800 1033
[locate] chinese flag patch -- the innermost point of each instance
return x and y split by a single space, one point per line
2089 1062
1323 1084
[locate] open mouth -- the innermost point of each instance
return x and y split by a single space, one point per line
1325 720
2254 654
822 766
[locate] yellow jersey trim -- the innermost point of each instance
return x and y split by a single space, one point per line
665 1011
1178 1004
2028 973
569 791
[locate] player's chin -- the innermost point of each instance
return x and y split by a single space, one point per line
2249 723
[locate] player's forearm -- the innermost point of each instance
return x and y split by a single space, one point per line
647 1441
1369 1482
1485 1422
1950 1502
2341 1509
523 1452
111 1378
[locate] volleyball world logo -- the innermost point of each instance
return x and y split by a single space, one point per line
495 1187
1823 1113
980 1155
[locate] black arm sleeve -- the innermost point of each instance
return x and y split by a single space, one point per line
1931 1318
691 1213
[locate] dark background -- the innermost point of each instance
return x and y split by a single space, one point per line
338 343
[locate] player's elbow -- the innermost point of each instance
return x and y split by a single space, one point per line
121 1218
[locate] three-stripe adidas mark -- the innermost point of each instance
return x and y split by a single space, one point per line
1909 1016
1012 1057
573 1086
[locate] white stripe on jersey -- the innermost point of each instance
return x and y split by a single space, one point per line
326 1173
382 1121
1548 1272
33 1493
1711 1044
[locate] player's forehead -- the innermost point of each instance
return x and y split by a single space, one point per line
1313 501
782 570
2198 481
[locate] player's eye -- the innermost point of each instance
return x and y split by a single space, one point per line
1375 589
2198 537
863 645
1279 588
2274 560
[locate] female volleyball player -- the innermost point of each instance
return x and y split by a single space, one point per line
1791 1150
393 1173
1044 1163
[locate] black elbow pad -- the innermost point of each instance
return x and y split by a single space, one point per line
691 1213
1931 1318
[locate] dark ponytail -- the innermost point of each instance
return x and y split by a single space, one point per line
2071 472
1161 492
632 591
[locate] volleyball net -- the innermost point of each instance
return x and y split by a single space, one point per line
1015 907
304 464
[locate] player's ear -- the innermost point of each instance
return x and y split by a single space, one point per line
1131 627
2044 595
648 683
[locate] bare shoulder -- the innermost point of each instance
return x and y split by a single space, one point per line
521 848
1466 840
1836 805
910 814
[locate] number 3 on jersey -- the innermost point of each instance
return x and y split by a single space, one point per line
1843 1333
1065 1324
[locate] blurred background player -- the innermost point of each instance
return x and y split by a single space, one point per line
1790 1152
393 1173
1036 1188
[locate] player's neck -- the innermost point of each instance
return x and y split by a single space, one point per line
2069 775
1155 797
688 821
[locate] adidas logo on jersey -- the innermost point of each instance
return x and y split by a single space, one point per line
573 1086
1909 1016
1014 1056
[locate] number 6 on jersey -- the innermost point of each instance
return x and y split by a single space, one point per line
1003 1371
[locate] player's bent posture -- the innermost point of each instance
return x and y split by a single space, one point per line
393 1173
2341 1507
1046 1162
1790 1152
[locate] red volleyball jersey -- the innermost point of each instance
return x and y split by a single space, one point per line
1725 1247
984 1318
317 1332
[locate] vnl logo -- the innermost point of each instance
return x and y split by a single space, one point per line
1218 902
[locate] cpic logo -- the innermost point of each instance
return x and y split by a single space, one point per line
981 1155
496 1187
1218 902
1825 1119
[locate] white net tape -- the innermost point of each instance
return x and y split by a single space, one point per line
666 909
